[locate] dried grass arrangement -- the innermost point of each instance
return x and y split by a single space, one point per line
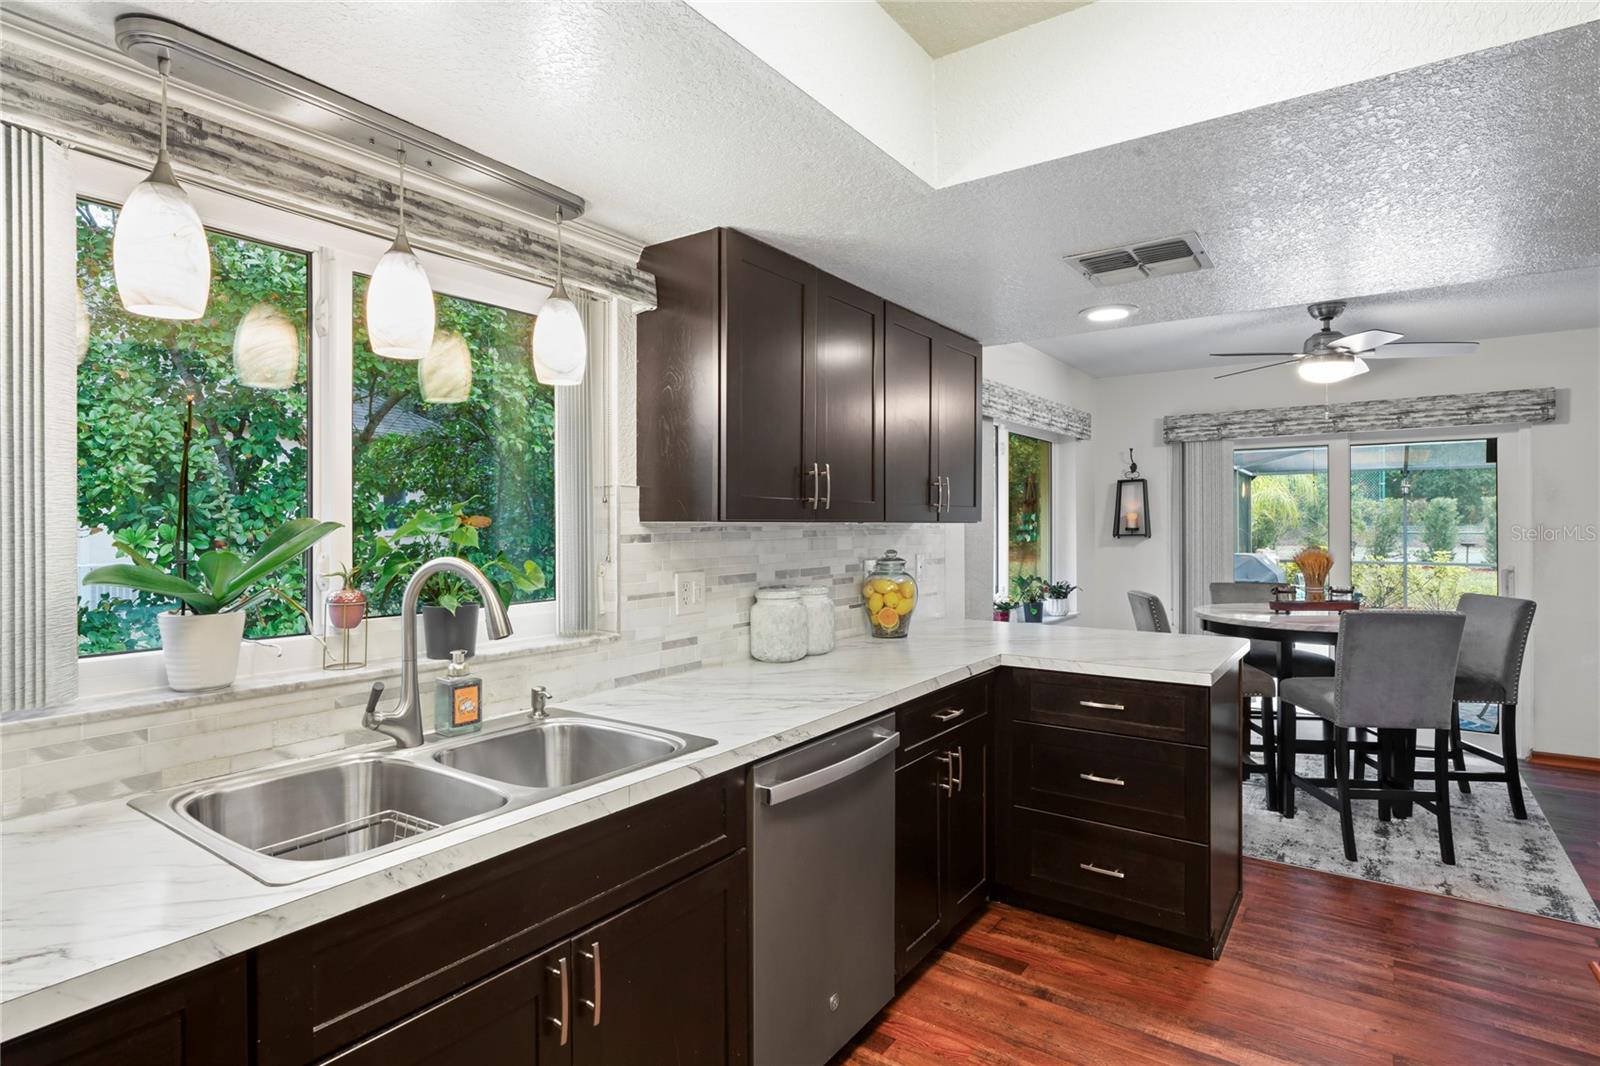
1315 564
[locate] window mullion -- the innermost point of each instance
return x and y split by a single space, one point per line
332 496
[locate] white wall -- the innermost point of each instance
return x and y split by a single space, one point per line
1561 462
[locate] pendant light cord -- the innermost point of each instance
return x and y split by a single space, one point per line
558 287
402 154
164 64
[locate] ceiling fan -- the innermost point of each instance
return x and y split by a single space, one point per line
1328 356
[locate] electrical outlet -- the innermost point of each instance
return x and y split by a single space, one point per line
917 567
689 593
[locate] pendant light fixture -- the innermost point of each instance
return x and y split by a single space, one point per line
158 250
400 315
445 374
266 349
560 350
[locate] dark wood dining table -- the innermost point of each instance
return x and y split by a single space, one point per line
1258 622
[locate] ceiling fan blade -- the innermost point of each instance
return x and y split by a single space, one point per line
1254 355
1423 349
1252 369
1366 340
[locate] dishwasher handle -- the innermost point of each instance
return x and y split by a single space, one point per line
784 791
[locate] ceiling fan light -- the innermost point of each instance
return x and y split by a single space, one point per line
560 349
400 313
1331 369
159 252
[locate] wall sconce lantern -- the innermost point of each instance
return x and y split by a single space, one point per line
1132 516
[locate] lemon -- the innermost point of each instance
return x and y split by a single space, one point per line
882 585
892 599
907 590
874 603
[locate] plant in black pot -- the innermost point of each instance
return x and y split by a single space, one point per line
450 606
1031 590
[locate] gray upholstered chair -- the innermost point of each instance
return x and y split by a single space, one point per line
1396 675
1492 648
1149 614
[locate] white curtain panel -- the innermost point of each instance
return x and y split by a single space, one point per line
1208 525
575 575
38 477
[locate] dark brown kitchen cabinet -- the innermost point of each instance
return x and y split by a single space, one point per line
200 1019
933 386
764 395
942 805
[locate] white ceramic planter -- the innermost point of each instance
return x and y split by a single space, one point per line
201 651
1055 608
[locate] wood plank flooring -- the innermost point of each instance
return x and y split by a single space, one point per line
1319 969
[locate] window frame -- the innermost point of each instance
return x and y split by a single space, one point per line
336 254
1063 505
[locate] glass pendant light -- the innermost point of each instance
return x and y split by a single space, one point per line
266 349
445 374
1331 368
400 315
158 251
560 350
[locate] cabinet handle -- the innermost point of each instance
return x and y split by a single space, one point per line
936 490
949 713
1103 780
1102 706
1102 871
593 955
560 970
960 769
944 493
816 488
949 782
827 499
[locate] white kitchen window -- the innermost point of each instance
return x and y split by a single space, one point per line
1034 493
317 447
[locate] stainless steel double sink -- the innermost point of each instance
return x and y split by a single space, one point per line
287 824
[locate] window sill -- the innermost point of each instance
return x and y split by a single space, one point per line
148 701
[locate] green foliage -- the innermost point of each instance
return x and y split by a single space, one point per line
496 451
1029 588
228 576
427 535
1441 526
1426 587
1003 604
1378 526
1489 507
1059 590
250 456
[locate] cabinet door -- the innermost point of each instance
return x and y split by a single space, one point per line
957 419
202 1019
849 402
919 814
667 981
966 840
908 416
513 1018
769 324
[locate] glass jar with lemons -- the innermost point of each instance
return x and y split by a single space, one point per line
889 595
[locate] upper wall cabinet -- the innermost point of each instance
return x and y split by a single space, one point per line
763 396
934 394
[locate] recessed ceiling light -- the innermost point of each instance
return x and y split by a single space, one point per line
1108 312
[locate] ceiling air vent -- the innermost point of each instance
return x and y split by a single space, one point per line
1148 259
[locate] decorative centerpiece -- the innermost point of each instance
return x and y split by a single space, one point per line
1315 564
890 597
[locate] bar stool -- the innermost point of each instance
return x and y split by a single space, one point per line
1149 613
1492 649
1396 675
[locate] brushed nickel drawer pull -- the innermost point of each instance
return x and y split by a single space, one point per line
563 1022
593 955
949 714
959 768
1102 871
827 497
1103 780
1101 706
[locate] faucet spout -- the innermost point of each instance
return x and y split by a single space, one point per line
404 721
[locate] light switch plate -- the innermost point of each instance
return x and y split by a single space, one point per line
689 593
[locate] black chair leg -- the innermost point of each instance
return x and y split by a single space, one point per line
1508 749
1327 740
1441 794
1458 754
1286 760
1341 773
1269 751
1358 771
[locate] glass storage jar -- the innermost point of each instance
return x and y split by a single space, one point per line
889 595
779 632
818 602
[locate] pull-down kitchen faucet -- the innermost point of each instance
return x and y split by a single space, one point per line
404 722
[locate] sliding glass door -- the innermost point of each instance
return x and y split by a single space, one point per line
1282 503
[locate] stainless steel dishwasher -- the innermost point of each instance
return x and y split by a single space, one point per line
822 908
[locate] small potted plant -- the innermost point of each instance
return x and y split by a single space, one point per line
200 641
1031 591
449 605
1055 597
1003 608
348 606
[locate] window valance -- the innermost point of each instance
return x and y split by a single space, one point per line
1504 408
1005 403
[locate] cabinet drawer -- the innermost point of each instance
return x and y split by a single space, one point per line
1142 878
1177 713
1100 777
952 706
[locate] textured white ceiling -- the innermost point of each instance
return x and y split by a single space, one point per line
945 26
1477 168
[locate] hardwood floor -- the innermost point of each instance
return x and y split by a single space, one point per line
1319 969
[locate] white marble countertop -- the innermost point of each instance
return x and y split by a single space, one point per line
100 901
1261 616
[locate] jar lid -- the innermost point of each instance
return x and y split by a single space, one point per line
815 590
778 592
890 561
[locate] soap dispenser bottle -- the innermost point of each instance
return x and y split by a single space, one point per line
457 699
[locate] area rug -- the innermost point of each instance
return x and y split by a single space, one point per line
1501 861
